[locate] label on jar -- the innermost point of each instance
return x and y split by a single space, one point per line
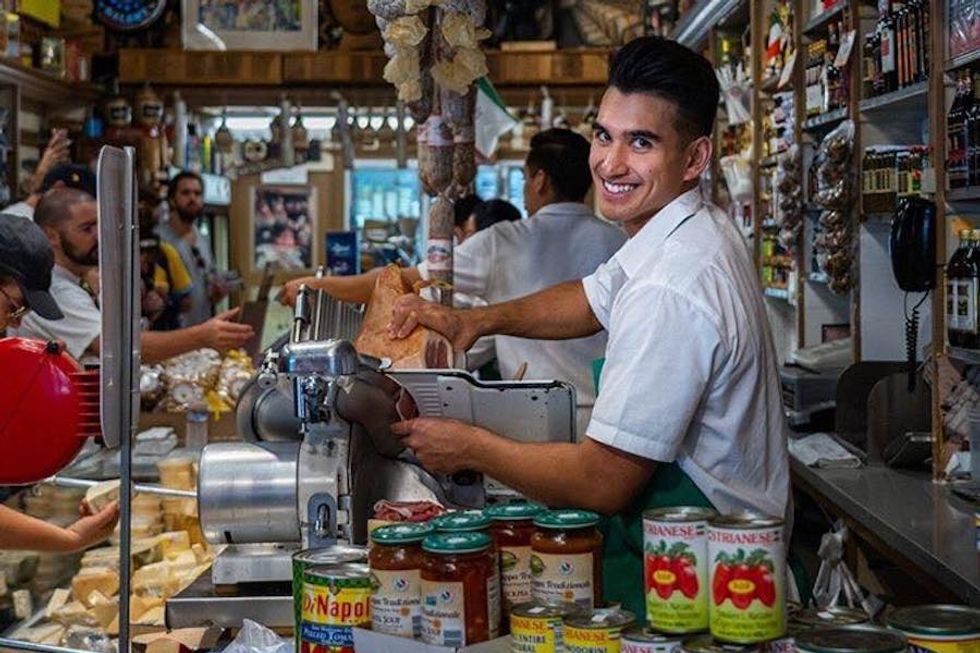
925 644
443 613
515 570
676 575
396 606
961 305
591 640
667 646
535 635
748 584
329 614
493 603
557 577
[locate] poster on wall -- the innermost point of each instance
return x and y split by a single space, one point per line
283 223
249 25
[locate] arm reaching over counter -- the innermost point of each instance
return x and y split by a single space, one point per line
556 474
25 533
556 313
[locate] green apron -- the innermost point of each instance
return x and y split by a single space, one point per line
622 562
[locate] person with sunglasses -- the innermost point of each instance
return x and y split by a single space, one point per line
26 261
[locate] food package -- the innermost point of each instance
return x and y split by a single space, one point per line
101 495
834 246
421 349
189 377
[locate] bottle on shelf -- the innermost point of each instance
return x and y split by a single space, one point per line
961 293
889 59
956 138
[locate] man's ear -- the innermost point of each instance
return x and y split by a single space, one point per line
53 236
698 157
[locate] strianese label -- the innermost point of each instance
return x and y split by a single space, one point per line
556 577
748 584
396 606
515 571
330 612
675 572
439 254
535 635
591 640
443 613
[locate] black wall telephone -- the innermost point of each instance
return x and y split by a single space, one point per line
913 254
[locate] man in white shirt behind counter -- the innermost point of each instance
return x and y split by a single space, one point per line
561 241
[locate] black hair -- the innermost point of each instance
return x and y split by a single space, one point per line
55 205
174 183
670 71
464 207
564 157
491 212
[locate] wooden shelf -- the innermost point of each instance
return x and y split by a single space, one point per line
968 194
825 120
694 25
45 88
356 69
910 97
968 356
821 20
962 60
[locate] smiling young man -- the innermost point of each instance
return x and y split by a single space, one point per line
689 410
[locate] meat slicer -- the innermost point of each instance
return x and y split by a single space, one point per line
317 451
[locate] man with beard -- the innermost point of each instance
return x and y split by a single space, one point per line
69 219
186 194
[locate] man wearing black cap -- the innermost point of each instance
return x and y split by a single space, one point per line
26 260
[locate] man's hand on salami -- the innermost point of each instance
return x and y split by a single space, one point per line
441 445
412 311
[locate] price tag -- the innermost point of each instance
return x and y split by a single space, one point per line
787 73
844 52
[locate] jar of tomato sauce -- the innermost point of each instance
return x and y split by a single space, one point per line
476 521
456 573
566 558
396 568
511 530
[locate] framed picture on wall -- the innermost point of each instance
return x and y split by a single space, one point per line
249 25
283 227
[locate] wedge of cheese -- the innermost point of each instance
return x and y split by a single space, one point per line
101 495
174 541
59 598
74 614
101 579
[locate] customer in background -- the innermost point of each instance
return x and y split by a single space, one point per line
26 261
68 218
55 154
483 216
186 196
167 284
561 240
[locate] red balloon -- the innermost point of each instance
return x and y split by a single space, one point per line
48 406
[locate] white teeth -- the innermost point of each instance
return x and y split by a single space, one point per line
617 189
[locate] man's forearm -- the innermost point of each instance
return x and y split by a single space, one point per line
556 474
556 313
156 346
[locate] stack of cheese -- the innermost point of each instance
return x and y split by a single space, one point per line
163 566
180 473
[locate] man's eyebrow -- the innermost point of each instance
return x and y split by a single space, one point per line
644 133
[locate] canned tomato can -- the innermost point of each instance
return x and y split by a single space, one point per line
596 631
939 628
851 639
335 599
646 640
536 627
675 568
801 620
747 553
708 644
307 558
